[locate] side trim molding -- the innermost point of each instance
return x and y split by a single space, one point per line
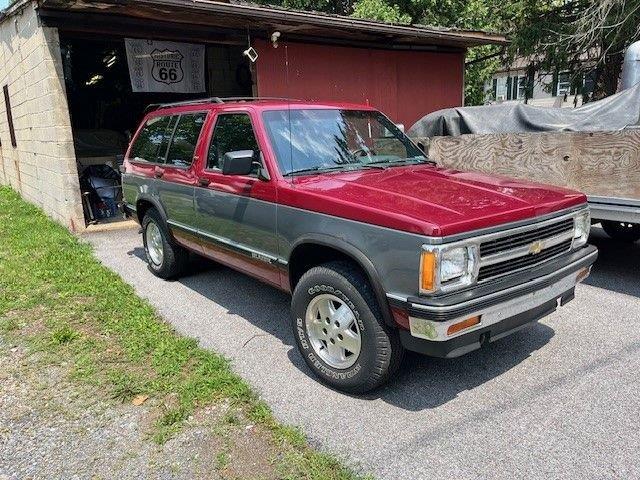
230 244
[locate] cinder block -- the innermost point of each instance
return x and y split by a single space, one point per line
31 64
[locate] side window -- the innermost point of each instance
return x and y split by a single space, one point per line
151 144
185 139
233 132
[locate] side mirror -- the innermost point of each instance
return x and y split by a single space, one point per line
237 163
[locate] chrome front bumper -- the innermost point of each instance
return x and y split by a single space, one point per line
502 308
437 331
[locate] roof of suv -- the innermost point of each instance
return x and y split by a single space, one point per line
257 102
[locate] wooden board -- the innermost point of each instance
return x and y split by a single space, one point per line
603 164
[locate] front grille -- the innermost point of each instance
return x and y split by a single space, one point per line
510 242
501 268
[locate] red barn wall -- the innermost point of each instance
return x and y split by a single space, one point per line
405 85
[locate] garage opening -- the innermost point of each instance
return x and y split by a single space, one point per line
106 102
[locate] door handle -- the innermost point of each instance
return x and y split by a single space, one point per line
158 172
203 182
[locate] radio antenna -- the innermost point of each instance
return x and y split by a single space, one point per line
286 65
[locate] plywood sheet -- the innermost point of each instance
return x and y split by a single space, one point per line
596 163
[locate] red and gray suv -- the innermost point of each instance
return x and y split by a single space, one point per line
381 249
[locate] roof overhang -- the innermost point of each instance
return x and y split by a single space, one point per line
262 21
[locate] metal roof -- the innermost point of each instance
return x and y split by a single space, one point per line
266 19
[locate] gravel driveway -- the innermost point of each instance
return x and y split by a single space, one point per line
53 429
558 399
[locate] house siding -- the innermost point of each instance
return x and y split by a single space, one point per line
42 166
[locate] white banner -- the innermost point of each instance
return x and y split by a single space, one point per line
165 66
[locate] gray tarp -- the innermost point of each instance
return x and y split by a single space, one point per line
612 113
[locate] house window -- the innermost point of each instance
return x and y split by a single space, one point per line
7 104
515 87
522 87
501 88
563 86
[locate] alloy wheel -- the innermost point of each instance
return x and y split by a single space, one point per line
333 331
155 248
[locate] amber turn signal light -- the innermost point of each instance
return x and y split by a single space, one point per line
468 323
428 271
582 274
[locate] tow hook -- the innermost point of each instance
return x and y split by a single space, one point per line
484 339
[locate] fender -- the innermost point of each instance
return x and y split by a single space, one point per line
361 259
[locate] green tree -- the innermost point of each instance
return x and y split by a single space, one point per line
380 10
340 7
579 36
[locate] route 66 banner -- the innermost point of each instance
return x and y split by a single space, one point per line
165 66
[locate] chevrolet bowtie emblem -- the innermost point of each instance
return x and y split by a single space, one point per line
535 247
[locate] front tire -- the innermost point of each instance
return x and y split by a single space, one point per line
340 331
623 231
165 258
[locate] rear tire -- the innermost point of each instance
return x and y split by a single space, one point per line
623 231
165 258
350 348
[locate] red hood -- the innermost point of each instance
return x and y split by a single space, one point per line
427 200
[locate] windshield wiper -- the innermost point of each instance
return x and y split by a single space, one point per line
315 168
376 165
403 160
344 166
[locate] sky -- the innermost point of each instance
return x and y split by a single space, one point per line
3 4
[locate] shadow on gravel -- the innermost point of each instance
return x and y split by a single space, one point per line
264 306
421 382
424 382
618 264
137 252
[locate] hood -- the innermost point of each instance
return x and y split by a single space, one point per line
428 200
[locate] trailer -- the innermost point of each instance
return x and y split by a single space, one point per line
605 165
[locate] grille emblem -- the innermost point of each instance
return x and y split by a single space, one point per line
536 247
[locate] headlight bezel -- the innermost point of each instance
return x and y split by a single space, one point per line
438 253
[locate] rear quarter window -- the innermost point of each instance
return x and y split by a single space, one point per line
151 143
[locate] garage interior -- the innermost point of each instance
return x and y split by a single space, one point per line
105 111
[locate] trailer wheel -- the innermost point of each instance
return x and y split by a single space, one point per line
623 231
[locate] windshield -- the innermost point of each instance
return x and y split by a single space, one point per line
333 139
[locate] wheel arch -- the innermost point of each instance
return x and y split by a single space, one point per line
144 203
326 248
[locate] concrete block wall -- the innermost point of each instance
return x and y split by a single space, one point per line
42 167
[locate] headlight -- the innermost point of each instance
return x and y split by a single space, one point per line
581 228
445 268
454 263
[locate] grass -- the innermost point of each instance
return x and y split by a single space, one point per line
57 297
